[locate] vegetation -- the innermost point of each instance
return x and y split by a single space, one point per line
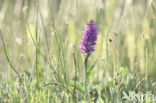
41 60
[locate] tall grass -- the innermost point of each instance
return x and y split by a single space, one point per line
41 61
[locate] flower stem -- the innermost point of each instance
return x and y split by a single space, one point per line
85 76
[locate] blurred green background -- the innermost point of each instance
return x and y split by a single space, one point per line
126 39
132 25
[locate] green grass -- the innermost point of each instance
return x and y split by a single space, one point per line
41 61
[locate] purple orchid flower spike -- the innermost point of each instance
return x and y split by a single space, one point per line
89 38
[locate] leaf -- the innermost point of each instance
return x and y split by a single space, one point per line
77 86
83 58
89 70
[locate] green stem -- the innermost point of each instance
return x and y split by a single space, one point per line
37 47
85 76
8 59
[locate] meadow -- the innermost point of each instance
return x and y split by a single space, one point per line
41 60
